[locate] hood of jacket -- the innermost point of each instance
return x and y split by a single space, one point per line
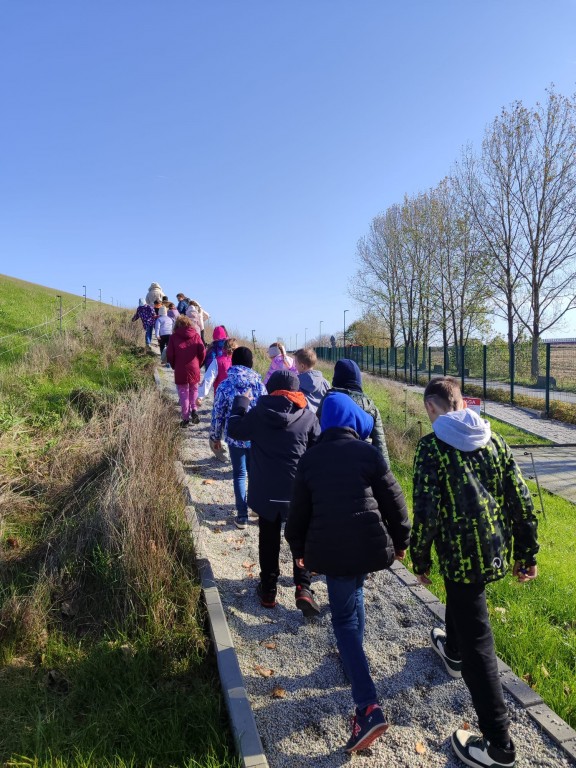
277 411
310 380
347 376
242 378
185 333
339 410
464 430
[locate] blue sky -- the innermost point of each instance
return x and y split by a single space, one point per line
236 150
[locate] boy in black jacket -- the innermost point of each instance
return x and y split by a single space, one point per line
280 428
347 518
470 501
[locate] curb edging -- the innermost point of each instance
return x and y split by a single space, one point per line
241 716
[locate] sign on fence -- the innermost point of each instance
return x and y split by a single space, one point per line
474 403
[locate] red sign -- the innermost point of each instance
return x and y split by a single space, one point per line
473 402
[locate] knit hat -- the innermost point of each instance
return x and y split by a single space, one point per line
141 302
242 356
162 311
219 333
273 350
339 410
286 380
347 376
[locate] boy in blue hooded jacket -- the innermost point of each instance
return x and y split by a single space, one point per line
347 518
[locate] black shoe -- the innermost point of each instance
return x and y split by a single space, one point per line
306 603
480 753
453 666
194 417
267 598
184 422
366 728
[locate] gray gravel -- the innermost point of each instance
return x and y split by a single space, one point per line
310 722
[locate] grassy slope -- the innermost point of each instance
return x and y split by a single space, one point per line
534 624
111 695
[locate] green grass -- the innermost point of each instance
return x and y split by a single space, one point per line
535 623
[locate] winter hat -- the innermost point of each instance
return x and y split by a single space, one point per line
339 410
242 356
162 311
273 350
347 376
286 380
219 333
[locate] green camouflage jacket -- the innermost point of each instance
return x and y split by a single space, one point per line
471 506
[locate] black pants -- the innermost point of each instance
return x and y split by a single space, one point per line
269 537
468 632
163 341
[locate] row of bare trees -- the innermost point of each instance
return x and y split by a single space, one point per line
495 239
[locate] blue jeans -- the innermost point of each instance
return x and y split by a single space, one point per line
149 330
240 458
346 598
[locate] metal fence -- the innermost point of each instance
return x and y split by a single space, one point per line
484 370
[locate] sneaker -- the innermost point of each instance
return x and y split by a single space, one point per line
453 666
241 522
480 753
366 728
267 599
194 417
184 422
306 603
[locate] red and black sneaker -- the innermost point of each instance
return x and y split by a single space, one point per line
306 603
366 728
267 599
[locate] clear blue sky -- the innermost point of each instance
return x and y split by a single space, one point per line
237 149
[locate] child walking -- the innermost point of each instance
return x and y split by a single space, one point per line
312 383
163 328
279 360
147 317
217 368
280 429
185 353
347 518
241 380
471 502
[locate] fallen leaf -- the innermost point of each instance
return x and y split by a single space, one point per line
465 726
278 692
248 564
420 748
251 575
499 609
208 481
268 644
544 671
217 530
567 690
264 671
528 679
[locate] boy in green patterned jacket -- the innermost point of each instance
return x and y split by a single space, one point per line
471 502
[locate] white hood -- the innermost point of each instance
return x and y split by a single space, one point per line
464 430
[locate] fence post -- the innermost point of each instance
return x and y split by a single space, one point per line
405 366
387 362
512 363
484 372
445 358
429 363
395 362
547 406
379 361
462 363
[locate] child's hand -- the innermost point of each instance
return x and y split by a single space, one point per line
300 562
424 578
400 554
524 572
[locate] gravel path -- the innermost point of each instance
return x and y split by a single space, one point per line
296 685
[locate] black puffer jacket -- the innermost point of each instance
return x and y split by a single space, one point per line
279 433
348 514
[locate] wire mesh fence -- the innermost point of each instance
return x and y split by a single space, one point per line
522 375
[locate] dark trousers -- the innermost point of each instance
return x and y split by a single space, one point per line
269 538
163 341
469 633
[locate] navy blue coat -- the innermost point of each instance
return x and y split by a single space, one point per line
348 515
279 433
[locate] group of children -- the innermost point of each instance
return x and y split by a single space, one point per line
318 462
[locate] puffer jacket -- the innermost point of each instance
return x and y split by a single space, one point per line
279 433
185 353
377 435
476 509
163 326
155 293
279 364
240 381
347 515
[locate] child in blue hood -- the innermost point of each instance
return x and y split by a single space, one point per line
471 502
348 518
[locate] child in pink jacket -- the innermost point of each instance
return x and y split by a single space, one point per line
279 360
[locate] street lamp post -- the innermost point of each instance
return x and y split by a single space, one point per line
305 332
254 338
320 334
346 310
296 341
84 296
58 296
100 295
